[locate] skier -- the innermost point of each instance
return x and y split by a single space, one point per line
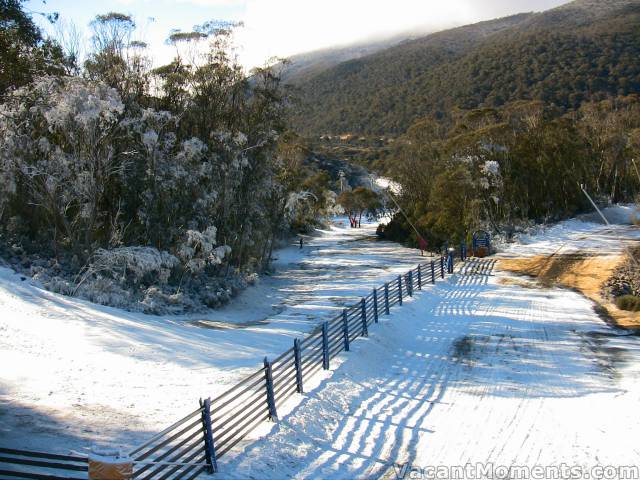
422 243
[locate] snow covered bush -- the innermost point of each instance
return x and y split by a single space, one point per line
113 277
57 154
133 264
199 250
157 190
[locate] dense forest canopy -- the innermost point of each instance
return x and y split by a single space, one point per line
499 168
491 125
583 51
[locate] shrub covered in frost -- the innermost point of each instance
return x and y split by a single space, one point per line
162 199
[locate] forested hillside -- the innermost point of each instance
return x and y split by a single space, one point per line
585 50
306 65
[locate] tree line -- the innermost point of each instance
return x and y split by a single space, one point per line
140 182
577 53
501 169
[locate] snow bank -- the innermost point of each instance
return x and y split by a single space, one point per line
576 234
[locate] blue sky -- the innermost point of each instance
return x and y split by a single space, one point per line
286 27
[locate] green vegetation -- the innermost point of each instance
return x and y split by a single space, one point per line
24 53
496 169
630 303
584 51
358 201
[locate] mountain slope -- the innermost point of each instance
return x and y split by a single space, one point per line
583 50
304 66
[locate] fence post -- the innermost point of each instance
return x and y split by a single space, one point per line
450 262
386 298
375 305
419 277
325 345
462 253
345 329
400 289
363 316
442 266
410 284
433 271
209 449
271 401
298 363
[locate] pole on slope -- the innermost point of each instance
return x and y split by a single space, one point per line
375 305
271 400
298 364
405 215
594 204
345 329
363 317
628 250
386 298
325 345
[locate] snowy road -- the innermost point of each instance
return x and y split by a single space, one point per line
472 371
74 373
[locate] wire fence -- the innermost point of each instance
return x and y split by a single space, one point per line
194 444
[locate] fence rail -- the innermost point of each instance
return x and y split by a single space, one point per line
258 397
41 465
194 444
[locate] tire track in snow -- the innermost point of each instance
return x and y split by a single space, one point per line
407 395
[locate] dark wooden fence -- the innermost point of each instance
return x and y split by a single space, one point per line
194 444
40 465
257 398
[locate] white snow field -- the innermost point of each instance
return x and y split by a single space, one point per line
471 370
74 374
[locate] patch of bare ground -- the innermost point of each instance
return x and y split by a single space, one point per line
584 273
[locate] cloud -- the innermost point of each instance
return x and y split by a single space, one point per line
286 27
215 3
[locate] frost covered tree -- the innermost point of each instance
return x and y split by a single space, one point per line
165 186
58 154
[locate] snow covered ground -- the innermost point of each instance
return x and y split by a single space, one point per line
73 373
586 234
472 371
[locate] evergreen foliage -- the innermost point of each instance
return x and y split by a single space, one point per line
583 51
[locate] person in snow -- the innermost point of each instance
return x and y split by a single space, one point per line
301 242
422 243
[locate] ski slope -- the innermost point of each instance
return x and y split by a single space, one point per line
74 374
472 371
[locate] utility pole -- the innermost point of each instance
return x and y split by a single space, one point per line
627 249
405 216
